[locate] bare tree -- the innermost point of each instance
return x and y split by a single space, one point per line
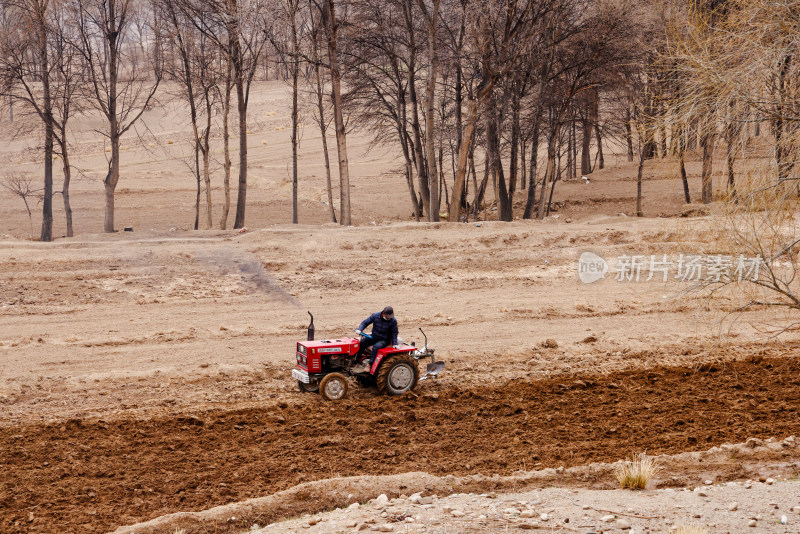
121 84
27 72
289 52
236 27
198 78
432 23
330 21
21 185
318 85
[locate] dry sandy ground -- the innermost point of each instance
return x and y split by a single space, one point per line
166 322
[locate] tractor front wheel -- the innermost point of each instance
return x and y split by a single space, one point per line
397 374
308 388
333 387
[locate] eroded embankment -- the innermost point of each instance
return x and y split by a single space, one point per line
91 476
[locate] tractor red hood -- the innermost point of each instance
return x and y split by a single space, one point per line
346 345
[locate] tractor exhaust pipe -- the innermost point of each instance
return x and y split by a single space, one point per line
311 328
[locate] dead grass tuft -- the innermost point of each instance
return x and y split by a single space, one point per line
637 472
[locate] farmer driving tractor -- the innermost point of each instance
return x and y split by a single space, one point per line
384 334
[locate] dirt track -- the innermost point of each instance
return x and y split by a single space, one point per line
93 476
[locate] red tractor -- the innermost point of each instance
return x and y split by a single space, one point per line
324 366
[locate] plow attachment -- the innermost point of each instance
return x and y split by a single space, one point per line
433 369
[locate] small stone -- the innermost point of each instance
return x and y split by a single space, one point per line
709 482
527 514
607 518
362 526
426 500
702 493
748 485
544 517
733 507
770 481
447 508
386 527
586 507
511 511
410 519
758 517
560 469
351 524
353 506
752 523
796 509
313 522
381 500
623 525
457 513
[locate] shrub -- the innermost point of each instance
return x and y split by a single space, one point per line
637 472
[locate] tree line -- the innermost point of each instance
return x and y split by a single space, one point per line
512 95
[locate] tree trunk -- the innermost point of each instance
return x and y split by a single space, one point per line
515 140
329 14
682 159
49 130
550 171
295 89
639 173
459 181
226 143
422 173
601 162
206 159
323 129
65 188
430 95
237 62
480 191
530 204
241 198
493 135
629 132
570 152
730 160
708 142
198 180
586 156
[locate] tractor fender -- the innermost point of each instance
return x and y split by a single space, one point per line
388 351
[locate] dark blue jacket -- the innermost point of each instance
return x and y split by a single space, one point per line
382 330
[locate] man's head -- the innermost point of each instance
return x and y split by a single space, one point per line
387 312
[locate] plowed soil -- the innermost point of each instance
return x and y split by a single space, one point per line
91 476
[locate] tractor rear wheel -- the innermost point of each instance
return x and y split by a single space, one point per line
397 374
308 388
333 387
